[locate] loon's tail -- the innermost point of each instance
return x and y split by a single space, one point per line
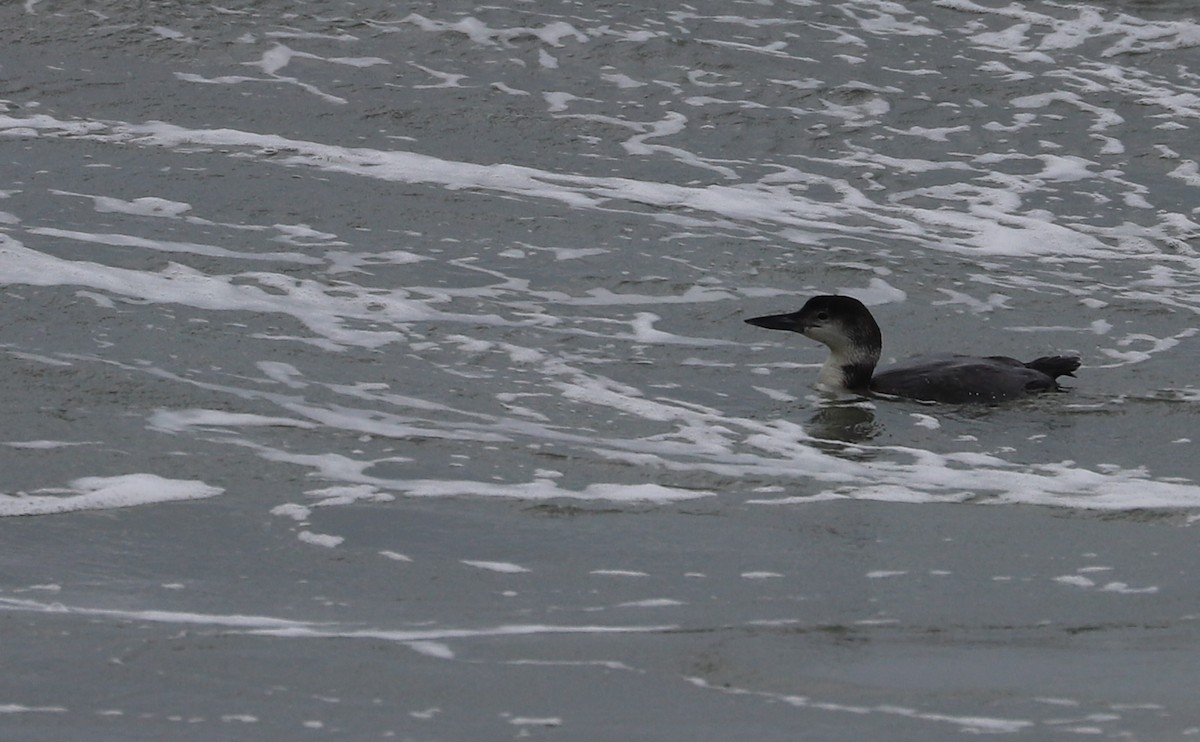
1055 366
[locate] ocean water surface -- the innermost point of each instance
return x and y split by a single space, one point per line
378 371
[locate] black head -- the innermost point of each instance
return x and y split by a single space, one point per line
841 322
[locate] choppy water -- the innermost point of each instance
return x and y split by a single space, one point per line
378 370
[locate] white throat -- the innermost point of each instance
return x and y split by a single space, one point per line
832 377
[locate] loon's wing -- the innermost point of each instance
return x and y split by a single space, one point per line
959 379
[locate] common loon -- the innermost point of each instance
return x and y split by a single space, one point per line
846 326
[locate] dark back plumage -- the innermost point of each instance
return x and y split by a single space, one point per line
960 379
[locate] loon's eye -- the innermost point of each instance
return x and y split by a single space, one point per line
822 315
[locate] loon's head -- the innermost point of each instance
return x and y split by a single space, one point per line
846 327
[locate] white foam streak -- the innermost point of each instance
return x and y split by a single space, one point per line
965 724
279 627
167 246
707 440
545 489
427 635
1133 35
729 202
177 421
987 230
102 493
235 621
552 33
324 309
713 443
16 708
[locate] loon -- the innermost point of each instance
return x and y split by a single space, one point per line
846 326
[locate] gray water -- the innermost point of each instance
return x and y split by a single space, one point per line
378 371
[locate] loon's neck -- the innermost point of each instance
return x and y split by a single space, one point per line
848 370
